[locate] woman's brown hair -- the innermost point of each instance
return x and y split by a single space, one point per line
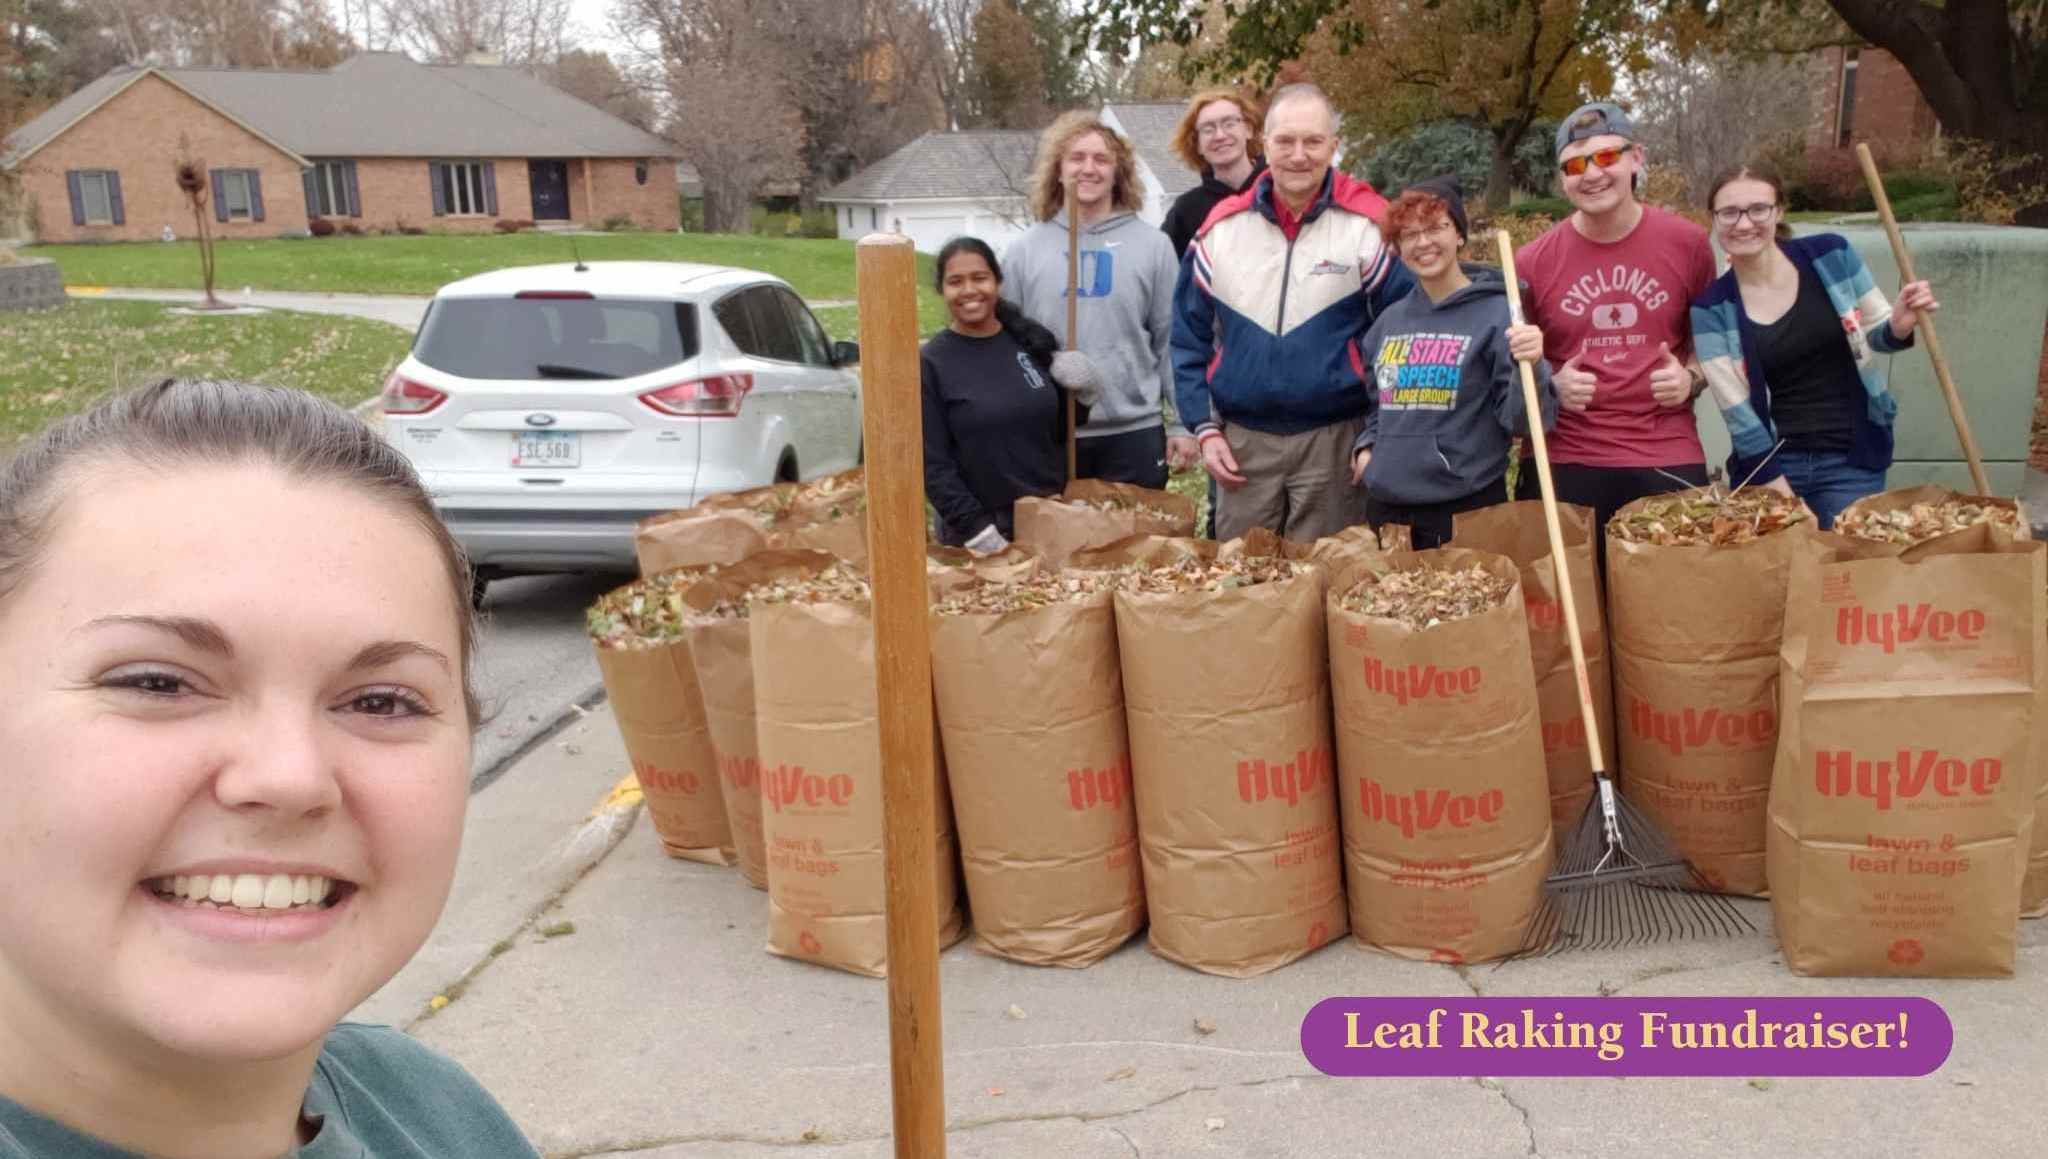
1049 195
196 422
1187 143
1753 171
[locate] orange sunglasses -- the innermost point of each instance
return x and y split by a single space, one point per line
1604 158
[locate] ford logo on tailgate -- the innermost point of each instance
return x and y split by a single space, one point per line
540 419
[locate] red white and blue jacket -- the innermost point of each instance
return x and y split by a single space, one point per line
1266 330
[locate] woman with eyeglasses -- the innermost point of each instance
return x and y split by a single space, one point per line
1789 338
1610 287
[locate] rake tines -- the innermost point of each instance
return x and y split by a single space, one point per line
1624 886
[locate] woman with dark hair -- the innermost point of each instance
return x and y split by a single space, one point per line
1789 339
994 429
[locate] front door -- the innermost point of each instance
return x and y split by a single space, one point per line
550 189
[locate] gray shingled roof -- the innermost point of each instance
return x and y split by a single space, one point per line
974 163
1150 128
383 104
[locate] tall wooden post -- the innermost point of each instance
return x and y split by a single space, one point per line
885 271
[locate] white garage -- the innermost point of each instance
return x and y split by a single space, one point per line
942 186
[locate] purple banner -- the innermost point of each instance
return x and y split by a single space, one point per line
1579 1037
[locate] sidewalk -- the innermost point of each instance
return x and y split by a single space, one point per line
659 1028
403 312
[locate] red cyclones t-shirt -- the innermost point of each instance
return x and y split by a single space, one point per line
1617 302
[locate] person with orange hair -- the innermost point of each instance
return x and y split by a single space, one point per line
1124 311
1447 396
1218 137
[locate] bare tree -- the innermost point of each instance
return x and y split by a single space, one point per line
591 76
452 31
1705 112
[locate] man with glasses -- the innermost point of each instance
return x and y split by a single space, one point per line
1276 291
1611 287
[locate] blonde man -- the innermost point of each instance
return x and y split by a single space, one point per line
1218 137
1124 312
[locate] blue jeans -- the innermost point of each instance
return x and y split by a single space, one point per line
1828 481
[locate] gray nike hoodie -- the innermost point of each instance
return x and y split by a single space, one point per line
1125 316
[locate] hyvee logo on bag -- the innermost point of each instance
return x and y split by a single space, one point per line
787 786
1560 735
1426 809
656 779
1694 728
1106 787
740 772
1420 681
1544 615
1907 776
1905 624
1308 771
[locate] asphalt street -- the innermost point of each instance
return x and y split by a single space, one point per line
534 664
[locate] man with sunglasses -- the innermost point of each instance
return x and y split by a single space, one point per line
1611 288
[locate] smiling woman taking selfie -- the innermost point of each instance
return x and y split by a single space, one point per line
234 655
994 429
1789 338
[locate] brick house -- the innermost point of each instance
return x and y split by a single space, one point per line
378 141
1865 94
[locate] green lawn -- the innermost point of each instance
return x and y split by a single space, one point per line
57 361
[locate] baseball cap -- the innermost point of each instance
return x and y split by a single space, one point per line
1597 119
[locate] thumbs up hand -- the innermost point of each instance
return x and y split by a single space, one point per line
1670 381
1574 383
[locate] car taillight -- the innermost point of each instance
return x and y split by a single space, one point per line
403 396
718 396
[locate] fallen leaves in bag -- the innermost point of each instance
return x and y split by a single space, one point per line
838 584
1194 574
983 597
1120 503
646 612
1924 521
1423 597
1708 518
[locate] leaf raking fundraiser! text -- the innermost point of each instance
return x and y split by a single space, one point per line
1610 1040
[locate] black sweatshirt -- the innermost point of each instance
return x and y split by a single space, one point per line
995 431
1192 208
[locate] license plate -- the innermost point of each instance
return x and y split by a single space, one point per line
546 449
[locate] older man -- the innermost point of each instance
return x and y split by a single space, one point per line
1273 296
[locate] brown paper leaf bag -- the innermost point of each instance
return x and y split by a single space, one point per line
2011 524
1696 631
1903 799
1441 778
1518 531
821 784
696 536
721 651
651 684
1226 694
1093 513
1038 763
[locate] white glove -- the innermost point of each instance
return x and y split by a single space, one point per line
1071 369
988 541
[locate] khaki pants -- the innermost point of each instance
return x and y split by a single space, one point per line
1297 485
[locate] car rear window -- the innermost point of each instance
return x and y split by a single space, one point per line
555 337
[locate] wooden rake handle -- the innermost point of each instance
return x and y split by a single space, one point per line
1073 303
1926 326
1533 405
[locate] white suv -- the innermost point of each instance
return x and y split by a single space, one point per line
549 408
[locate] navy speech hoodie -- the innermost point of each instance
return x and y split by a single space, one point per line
1447 396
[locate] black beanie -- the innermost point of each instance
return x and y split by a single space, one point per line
1452 193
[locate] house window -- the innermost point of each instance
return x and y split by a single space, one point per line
95 193
237 195
1845 113
234 193
331 190
874 217
462 188
639 172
